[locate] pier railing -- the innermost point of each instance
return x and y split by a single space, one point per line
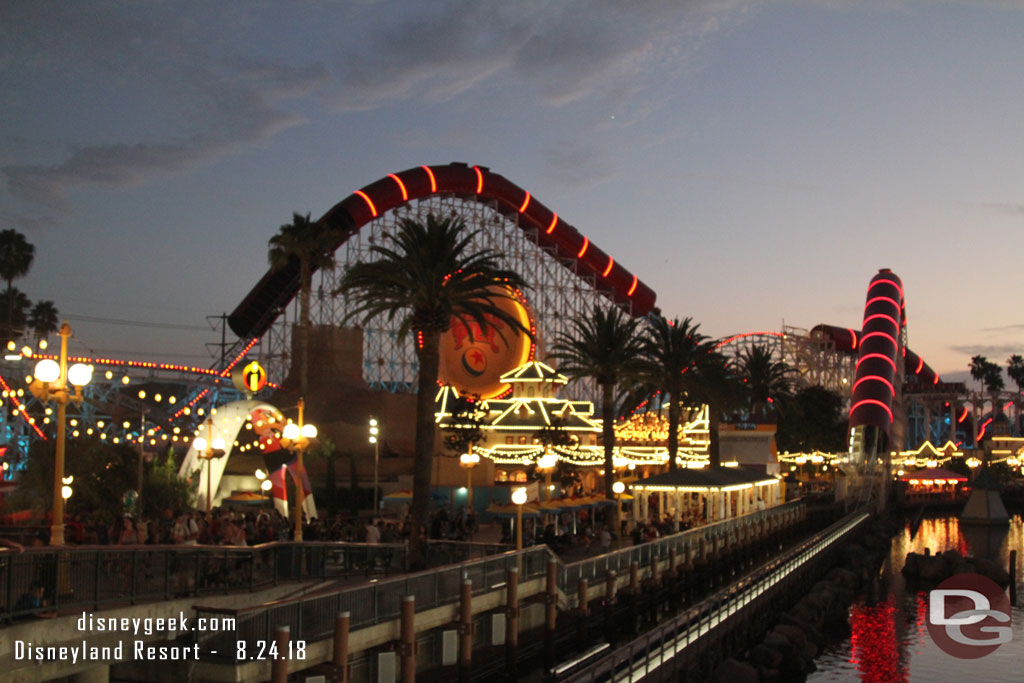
312 619
40 580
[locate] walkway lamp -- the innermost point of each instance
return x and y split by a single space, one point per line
50 383
519 499
298 437
469 461
208 449
546 464
375 440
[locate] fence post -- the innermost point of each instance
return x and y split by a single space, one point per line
466 631
408 639
511 619
279 665
340 658
550 613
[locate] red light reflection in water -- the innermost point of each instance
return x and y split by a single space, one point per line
874 646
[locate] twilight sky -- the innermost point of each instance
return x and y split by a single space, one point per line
753 162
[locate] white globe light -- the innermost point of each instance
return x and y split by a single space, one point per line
373 439
47 370
469 459
218 444
65 492
309 431
373 422
80 374
519 496
261 475
291 431
199 444
547 461
266 485
618 487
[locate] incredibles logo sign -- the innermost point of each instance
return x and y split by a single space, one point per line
474 357
250 378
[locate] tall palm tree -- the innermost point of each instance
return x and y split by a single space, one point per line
16 255
606 345
43 319
1015 371
312 245
17 312
978 368
765 379
426 275
675 358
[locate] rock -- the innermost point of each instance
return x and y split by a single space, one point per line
992 570
809 652
811 630
844 577
792 633
912 565
934 568
732 671
779 643
764 657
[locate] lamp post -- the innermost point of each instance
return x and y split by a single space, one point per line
469 461
375 440
298 438
209 448
51 380
546 464
519 497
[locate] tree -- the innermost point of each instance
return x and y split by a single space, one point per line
17 312
16 255
311 244
674 359
1015 370
765 379
43 319
978 367
605 344
427 274
813 420
465 424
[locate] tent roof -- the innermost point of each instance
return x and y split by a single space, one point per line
713 479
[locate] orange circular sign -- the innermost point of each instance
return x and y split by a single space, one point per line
474 359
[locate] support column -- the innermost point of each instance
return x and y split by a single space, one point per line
408 639
583 609
511 619
466 632
340 658
279 666
550 613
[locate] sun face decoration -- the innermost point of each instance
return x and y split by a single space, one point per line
473 358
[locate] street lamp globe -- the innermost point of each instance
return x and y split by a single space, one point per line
618 487
291 431
199 444
519 496
266 485
47 370
218 444
547 461
308 431
80 374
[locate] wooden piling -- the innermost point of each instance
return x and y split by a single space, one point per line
511 619
279 665
340 658
408 639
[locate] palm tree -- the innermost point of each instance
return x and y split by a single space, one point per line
427 274
675 355
606 345
43 319
17 311
1015 370
978 368
312 245
16 255
765 379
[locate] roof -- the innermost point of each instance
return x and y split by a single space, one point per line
932 473
714 479
534 371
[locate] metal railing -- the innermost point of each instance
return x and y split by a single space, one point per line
312 619
665 642
92 577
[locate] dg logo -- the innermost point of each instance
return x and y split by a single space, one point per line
969 616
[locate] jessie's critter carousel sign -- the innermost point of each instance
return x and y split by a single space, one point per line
474 357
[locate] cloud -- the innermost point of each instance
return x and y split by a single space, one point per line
575 165
216 104
1005 329
994 352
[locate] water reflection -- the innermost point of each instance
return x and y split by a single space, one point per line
889 640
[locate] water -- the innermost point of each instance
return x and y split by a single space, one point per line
889 639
